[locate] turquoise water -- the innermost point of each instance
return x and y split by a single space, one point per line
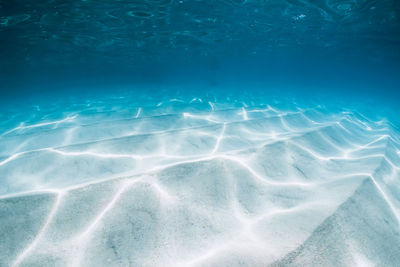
200 133
302 47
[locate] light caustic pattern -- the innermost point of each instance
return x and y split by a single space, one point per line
192 182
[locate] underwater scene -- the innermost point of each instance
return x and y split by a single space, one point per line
199 133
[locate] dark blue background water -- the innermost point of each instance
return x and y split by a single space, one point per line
325 49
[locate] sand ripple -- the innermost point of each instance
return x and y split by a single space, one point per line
192 182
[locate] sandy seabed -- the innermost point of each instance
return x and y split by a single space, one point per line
195 182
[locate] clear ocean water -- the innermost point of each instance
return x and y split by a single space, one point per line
200 133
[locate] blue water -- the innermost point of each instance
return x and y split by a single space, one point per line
200 133
282 47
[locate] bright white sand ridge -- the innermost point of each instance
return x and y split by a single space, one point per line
192 182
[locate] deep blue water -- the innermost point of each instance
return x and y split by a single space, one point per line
62 48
